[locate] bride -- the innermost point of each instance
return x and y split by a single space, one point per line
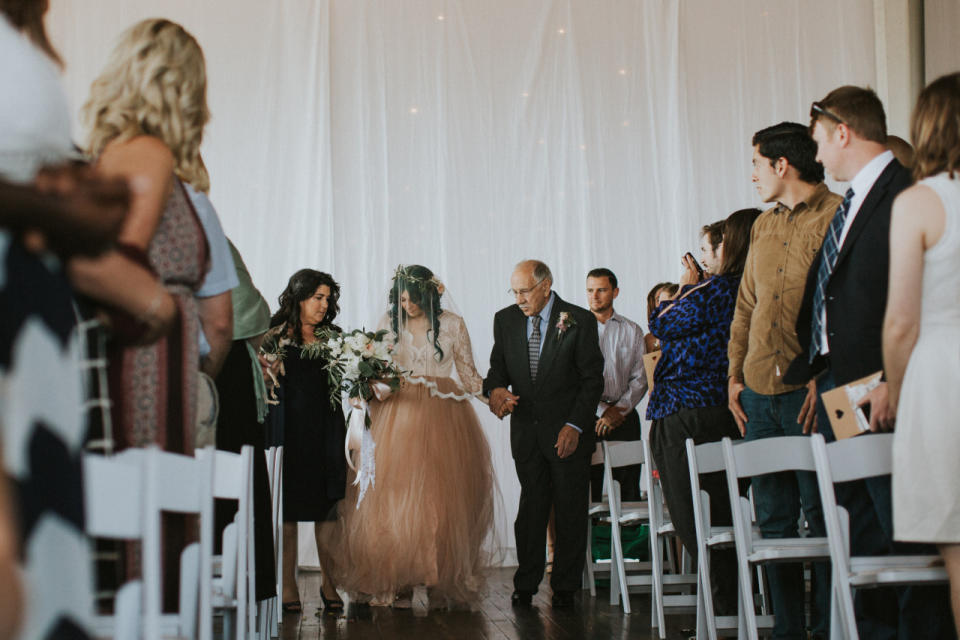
424 520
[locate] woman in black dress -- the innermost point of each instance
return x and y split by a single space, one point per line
311 429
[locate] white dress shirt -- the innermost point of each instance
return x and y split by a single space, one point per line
861 184
624 379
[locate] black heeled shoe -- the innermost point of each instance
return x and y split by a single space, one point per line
331 606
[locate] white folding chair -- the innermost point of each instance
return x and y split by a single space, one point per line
113 509
595 568
175 483
702 459
275 478
863 456
747 460
613 511
233 589
662 533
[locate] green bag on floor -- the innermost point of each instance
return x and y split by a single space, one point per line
635 539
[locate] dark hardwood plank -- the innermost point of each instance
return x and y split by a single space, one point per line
491 619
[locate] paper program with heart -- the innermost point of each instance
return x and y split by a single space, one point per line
845 417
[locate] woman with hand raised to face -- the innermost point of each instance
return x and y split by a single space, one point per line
689 395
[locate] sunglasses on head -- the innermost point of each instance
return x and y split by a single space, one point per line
817 109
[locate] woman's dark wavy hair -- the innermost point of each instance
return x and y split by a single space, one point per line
422 290
301 286
736 240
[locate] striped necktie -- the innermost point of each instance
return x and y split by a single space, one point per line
828 260
533 347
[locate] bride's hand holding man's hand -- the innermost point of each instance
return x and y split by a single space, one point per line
502 402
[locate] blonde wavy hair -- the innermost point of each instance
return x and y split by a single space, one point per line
155 84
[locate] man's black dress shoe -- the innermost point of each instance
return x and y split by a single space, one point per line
521 598
562 599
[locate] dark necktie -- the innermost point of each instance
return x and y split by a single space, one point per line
533 347
828 260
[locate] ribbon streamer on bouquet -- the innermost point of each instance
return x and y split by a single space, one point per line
367 474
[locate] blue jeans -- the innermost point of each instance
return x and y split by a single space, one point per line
778 498
886 613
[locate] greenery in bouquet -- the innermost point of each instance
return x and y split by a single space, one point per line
354 361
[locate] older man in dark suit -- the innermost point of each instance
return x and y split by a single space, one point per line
840 325
546 371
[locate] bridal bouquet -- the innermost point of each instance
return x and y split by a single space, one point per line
355 362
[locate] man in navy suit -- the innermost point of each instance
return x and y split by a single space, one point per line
839 327
546 371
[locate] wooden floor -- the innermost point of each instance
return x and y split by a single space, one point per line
493 618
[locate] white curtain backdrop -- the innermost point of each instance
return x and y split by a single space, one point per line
354 135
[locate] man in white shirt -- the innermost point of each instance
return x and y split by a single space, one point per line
840 328
624 380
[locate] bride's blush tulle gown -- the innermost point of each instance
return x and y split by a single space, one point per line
425 520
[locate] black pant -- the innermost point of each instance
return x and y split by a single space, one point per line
668 444
562 485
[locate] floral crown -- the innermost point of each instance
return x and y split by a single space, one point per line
402 275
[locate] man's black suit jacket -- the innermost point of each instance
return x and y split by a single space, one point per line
569 379
856 293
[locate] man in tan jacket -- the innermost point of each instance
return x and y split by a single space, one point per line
763 342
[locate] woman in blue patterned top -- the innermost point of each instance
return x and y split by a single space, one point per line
689 395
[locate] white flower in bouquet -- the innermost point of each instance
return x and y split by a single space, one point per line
351 366
355 342
382 351
336 347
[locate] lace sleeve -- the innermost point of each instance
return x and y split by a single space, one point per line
463 359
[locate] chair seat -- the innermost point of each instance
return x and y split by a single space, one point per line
723 535
598 508
789 549
899 575
720 536
868 563
629 517
867 571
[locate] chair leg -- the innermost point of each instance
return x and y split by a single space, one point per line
274 625
701 613
657 619
765 607
617 560
705 588
588 565
228 632
741 619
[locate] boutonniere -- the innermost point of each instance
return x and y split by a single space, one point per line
565 322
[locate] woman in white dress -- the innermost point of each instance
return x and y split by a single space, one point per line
425 519
921 333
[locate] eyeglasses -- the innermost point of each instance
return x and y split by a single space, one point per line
524 292
817 109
